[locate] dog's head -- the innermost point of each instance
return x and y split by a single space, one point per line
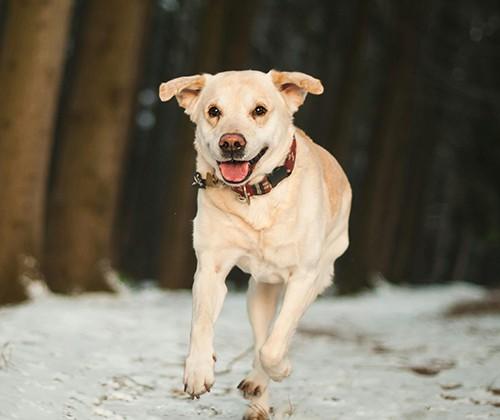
243 118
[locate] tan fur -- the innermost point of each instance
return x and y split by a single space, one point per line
184 88
288 239
333 176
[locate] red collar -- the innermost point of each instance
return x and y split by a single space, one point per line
269 182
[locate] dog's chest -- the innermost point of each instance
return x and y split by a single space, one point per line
270 253
265 234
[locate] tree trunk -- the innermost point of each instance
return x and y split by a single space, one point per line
343 121
94 132
375 222
177 263
221 19
30 69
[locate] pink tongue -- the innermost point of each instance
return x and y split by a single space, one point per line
234 171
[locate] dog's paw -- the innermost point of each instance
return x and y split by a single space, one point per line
254 384
276 366
198 375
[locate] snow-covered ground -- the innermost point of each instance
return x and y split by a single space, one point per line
389 354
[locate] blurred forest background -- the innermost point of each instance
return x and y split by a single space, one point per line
95 173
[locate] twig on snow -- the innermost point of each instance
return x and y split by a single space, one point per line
5 353
232 362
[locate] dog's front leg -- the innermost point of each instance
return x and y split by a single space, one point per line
300 292
209 291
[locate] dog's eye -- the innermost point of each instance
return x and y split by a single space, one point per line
214 112
259 111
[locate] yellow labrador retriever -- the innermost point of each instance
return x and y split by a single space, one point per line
271 202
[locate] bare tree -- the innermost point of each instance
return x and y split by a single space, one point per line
94 130
378 205
30 70
222 20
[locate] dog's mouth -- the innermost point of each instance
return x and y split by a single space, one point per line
238 171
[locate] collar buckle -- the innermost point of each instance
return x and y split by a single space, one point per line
198 181
244 197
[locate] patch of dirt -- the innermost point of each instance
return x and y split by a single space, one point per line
431 368
449 397
380 348
488 305
331 333
479 402
494 391
451 386
179 393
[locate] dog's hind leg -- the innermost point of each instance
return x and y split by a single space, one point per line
302 288
262 300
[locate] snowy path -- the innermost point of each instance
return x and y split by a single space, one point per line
385 355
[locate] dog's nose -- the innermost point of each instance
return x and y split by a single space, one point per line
232 142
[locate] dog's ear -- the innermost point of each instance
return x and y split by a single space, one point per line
186 90
294 86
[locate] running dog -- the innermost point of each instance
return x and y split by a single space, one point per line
271 202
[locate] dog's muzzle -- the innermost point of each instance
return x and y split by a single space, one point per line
236 171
